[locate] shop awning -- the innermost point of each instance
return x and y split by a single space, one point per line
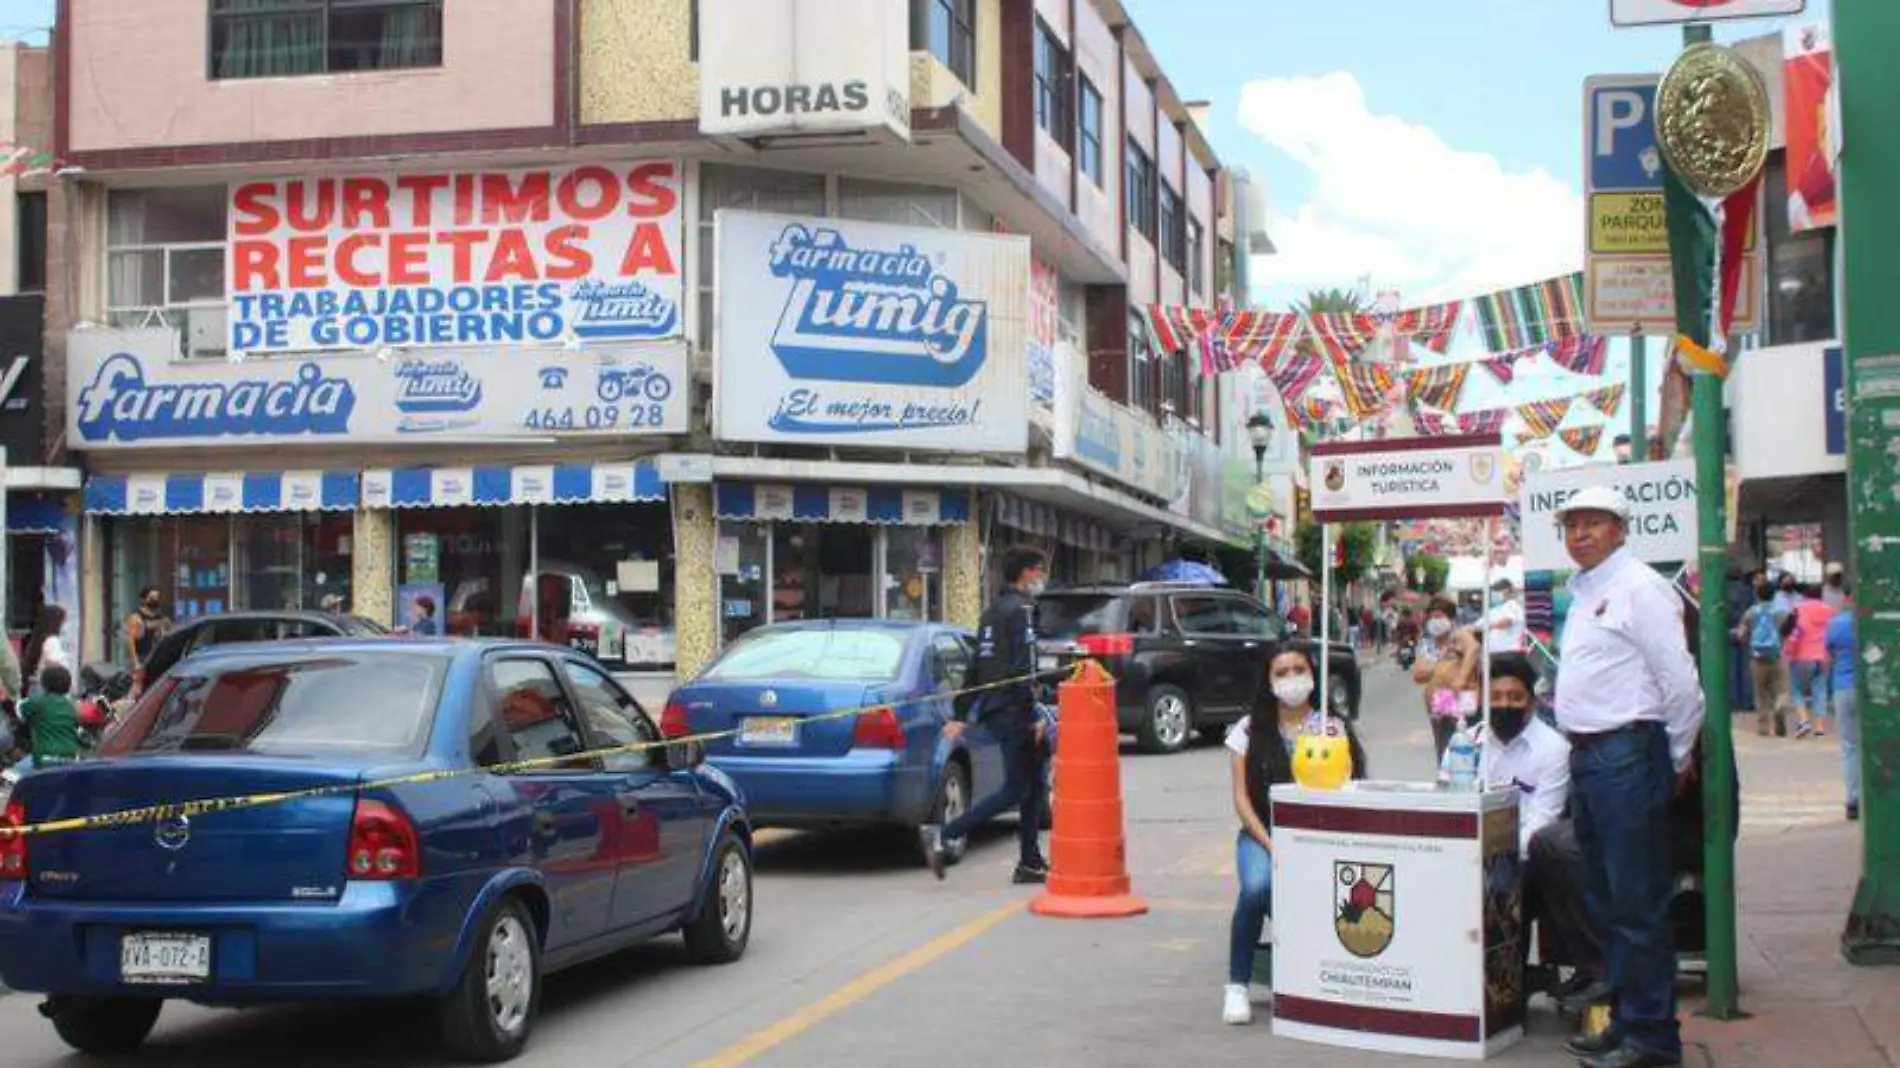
1048 521
447 487
35 513
821 503
238 491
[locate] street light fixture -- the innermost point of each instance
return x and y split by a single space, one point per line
1260 432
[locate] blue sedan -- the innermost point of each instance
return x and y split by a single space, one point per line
776 696
464 890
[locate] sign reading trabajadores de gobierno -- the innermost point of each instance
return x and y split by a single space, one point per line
1662 510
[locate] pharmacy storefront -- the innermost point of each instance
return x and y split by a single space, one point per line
902 344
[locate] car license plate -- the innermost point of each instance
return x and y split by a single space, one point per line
1047 662
768 730
165 958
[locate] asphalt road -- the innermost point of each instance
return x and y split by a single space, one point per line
858 956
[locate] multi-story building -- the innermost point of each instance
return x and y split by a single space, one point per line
634 323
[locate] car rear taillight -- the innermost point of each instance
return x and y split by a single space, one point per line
1107 644
383 843
878 729
673 720
13 865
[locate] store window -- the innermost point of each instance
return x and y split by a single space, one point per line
1139 197
1197 259
892 202
1055 94
913 574
1800 270
281 38
746 189
606 575
1089 131
783 572
469 564
1173 229
165 263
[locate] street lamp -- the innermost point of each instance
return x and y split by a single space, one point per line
1260 432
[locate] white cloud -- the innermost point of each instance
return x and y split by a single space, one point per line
1392 200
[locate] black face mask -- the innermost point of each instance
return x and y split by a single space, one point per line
1509 722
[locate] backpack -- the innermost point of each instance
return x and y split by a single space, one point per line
1764 639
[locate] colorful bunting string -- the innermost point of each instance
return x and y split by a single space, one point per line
1439 387
1295 372
1531 315
1504 367
1342 336
1582 440
1488 421
1583 355
1432 325
1433 422
1366 387
1260 337
1542 418
1608 399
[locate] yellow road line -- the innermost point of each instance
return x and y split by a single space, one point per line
806 1017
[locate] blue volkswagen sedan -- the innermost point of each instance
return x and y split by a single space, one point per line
776 696
465 890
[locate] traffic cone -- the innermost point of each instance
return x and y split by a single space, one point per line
1088 852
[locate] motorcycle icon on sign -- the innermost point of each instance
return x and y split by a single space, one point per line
642 381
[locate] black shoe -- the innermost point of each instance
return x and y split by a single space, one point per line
1594 1045
931 836
1030 875
1629 1058
1853 813
1594 992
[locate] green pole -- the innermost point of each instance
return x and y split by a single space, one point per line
1866 35
1639 398
1718 760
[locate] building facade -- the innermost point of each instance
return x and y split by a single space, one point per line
625 322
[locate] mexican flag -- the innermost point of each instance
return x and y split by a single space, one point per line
1706 242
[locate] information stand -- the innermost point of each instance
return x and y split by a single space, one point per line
1397 917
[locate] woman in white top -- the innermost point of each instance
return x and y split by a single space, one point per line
44 647
1260 753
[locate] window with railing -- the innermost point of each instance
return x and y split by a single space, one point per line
1140 194
283 38
947 29
1173 229
749 189
1089 131
165 262
1055 87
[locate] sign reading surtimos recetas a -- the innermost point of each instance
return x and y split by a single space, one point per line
791 67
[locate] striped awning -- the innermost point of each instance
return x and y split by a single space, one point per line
1048 521
448 487
820 502
231 491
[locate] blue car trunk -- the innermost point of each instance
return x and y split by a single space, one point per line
291 850
777 717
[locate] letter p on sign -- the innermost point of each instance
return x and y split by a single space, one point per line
1617 110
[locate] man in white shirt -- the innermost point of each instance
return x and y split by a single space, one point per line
1630 703
1504 631
1522 752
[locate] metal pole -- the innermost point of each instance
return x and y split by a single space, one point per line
1866 34
1718 762
1325 618
1260 531
1639 398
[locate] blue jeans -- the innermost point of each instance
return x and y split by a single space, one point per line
1741 681
1025 784
1809 686
1255 867
1621 788
1847 729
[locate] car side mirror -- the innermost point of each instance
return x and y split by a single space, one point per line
684 756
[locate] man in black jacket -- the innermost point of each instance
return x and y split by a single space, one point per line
1005 655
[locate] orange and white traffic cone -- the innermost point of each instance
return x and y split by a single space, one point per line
1088 853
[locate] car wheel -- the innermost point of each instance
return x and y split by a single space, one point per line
102 1026
491 1011
718 933
953 800
1169 722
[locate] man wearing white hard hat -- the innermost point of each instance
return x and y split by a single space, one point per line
1629 701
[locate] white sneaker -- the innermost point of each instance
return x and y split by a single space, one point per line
1236 1007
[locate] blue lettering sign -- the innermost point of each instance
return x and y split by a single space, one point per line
873 315
804 411
422 315
118 403
425 386
626 310
1097 440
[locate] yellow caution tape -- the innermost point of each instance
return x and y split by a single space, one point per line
132 817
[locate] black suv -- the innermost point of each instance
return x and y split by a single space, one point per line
1185 658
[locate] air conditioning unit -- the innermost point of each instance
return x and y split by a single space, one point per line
206 333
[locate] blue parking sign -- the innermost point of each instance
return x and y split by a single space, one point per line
1620 133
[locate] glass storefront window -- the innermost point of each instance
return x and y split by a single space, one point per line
913 574
606 574
826 571
469 563
741 557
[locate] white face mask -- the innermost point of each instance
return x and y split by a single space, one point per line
1035 588
1438 626
1293 689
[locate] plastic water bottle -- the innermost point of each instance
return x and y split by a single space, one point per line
1461 761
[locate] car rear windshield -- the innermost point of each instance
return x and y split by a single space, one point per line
383 702
1071 615
833 653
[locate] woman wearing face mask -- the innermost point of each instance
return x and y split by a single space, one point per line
1260 752
1447 667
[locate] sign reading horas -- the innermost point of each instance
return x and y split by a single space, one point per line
854 333
455 259
1406 478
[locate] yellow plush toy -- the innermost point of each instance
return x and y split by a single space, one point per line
1322 761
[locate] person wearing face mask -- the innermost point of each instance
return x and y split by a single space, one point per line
1834 587
1520 752
1006 660
143 629
1260 757
1447 667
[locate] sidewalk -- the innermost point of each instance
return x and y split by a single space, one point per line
1808 1006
